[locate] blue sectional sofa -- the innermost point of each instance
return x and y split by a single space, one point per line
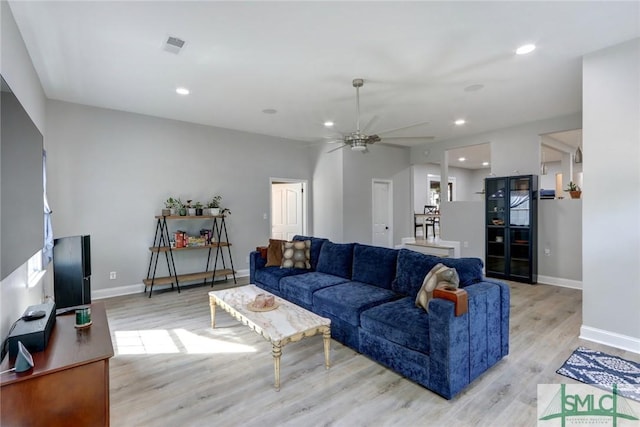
369 294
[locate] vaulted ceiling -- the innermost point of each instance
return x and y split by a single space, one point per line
284 68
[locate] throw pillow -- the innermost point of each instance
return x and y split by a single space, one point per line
439 275
296 254
274 253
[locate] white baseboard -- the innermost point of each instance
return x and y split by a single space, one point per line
612 339
136 288
558 281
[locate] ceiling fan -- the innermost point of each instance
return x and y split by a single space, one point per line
358 140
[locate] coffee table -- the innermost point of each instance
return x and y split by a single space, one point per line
287 323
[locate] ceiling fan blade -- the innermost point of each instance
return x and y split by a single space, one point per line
333 141
373 139
369 124
408 139
337 148
403 127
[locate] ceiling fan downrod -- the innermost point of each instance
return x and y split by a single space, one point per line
358 83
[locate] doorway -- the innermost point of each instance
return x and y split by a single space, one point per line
288 208
382 213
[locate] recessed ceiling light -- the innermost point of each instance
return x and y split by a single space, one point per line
328 124
460 122
269 111
524 49
462 159
182 91
485 163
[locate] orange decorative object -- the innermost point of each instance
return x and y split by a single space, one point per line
263 251
458 296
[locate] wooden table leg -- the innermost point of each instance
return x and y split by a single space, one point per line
277 352
326 336
212 304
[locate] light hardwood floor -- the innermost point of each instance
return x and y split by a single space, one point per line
172 369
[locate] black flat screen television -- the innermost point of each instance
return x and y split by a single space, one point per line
21 192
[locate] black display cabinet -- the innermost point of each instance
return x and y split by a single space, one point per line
511 210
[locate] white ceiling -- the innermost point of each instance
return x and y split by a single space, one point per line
299 58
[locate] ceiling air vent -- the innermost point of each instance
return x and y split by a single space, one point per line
173 44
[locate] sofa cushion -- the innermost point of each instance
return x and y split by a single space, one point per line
346 301
469 269
301 288
374 265
274 253
413 267
399 322
296 254
336 259
411 270
316 246
270 276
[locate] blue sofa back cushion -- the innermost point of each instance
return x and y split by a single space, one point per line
413 267
336 259
316 246
374 265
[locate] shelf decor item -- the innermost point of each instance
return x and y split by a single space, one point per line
199 209
214 205
574 190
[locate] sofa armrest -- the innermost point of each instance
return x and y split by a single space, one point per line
256 262
463 347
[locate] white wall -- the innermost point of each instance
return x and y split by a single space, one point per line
110 172
18 71
611 207
383 162
328 194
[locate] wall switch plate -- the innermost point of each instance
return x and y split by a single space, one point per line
112 275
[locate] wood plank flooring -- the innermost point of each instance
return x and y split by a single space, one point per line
172 369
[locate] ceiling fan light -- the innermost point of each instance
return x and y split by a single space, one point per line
358 147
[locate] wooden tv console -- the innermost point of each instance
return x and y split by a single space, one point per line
69 383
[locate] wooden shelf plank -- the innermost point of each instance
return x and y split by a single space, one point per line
189 277
166 248
189 216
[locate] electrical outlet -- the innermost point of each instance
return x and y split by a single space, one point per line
465 244
112 275
264 216
547 251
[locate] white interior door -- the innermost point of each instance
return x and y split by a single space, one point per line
286 210
382 213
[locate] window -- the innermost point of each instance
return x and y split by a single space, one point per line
34 269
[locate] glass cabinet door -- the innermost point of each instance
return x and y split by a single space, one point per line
496 217
519 227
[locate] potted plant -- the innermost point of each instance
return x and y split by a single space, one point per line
198 207
214 205
181 207
191 211
574 190
225 211
170 207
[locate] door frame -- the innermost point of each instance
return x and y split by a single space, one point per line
305 201
389 209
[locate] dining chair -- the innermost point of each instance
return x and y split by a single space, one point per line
431 221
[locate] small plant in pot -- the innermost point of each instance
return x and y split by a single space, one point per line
171 206
191 210
198 207
574 190
182 208
214 205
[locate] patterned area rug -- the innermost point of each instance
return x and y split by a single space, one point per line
603 370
